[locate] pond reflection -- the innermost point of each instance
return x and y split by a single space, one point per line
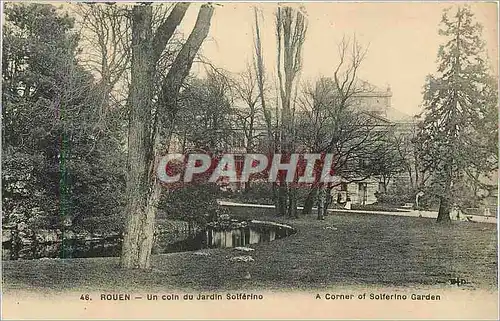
66 249
226 238
211 237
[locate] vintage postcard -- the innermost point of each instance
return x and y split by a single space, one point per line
249 160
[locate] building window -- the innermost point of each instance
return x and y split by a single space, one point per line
343 186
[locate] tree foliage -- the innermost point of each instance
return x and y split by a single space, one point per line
205 118
55 167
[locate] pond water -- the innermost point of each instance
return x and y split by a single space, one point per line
210 237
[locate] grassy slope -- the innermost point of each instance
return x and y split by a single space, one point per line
363 250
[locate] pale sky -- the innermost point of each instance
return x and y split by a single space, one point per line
403 40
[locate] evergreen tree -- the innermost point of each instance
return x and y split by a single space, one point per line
58 167
458 135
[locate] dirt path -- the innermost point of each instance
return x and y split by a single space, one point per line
411 213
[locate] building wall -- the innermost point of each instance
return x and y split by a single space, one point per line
356 194
377 102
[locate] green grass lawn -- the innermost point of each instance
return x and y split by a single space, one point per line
342 250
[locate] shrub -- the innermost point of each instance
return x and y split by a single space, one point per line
397 194
192 203
401 192
262 193
259 193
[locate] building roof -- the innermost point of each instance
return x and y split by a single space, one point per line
398 116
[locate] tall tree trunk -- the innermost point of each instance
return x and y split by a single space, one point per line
444 200
148 137
321 203
149 224
292 202
444 210
309 202
138 227
290 36
275 192
328 200
320 209
282 200
247 187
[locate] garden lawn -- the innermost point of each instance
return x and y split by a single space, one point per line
342 250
